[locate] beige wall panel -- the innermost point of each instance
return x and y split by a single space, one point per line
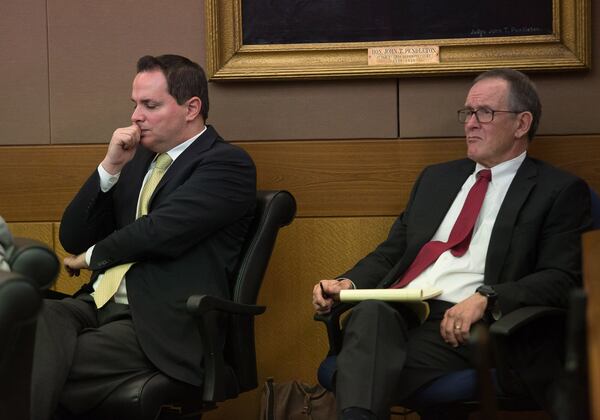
304 110
427 107
93 49
24 115
570 100
290 345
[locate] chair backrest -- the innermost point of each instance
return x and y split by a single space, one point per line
274 209
20 302
34 268
35 260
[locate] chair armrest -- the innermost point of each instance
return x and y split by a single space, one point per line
209 310
35 260
504 334
333 326
522 317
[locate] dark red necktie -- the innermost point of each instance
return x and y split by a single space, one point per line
460 236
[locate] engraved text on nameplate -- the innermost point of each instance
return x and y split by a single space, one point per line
415 54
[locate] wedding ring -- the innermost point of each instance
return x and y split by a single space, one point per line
457 327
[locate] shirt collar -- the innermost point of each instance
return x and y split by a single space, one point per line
506 168
180 148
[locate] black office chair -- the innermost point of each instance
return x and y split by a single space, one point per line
34 269
457 394
34 260
227 374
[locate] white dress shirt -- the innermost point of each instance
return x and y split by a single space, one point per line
458 277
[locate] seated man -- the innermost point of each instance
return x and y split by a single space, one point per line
6 241
497 231
163 217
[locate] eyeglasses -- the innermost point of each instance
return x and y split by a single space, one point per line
483 115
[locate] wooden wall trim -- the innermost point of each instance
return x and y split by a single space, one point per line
591 280
328 178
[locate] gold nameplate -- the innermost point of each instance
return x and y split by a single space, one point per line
415 54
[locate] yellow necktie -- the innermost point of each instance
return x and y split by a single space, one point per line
111 280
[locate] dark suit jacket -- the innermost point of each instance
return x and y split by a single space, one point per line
534 255
187 244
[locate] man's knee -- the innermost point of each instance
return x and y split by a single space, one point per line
376 317
373 307
376 310
69 311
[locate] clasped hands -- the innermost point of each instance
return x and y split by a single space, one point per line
454 327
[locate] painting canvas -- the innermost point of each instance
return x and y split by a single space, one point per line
299 21
306 39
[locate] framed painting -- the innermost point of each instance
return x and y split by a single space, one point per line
301 39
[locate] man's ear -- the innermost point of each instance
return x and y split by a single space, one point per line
194 106
524 121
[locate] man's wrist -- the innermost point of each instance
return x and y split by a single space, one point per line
111 169
107 179
347 282
492 308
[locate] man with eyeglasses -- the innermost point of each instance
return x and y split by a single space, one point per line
495 232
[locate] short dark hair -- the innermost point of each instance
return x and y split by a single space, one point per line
185 79
522 95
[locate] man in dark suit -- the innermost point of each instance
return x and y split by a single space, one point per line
524 249
171 202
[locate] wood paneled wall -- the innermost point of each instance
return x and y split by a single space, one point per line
66 80
591 277
348 193
328 178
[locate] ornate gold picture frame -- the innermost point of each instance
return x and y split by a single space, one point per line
568 47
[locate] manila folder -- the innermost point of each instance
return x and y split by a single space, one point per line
390 295
415 299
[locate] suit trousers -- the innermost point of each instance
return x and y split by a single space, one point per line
81 355
386 356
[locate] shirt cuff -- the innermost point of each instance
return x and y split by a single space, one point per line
107 181
345 278
88 255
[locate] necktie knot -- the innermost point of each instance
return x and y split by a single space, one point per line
485 174
163 161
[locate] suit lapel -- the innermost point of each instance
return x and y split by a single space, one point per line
199 146
519 190
438 201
